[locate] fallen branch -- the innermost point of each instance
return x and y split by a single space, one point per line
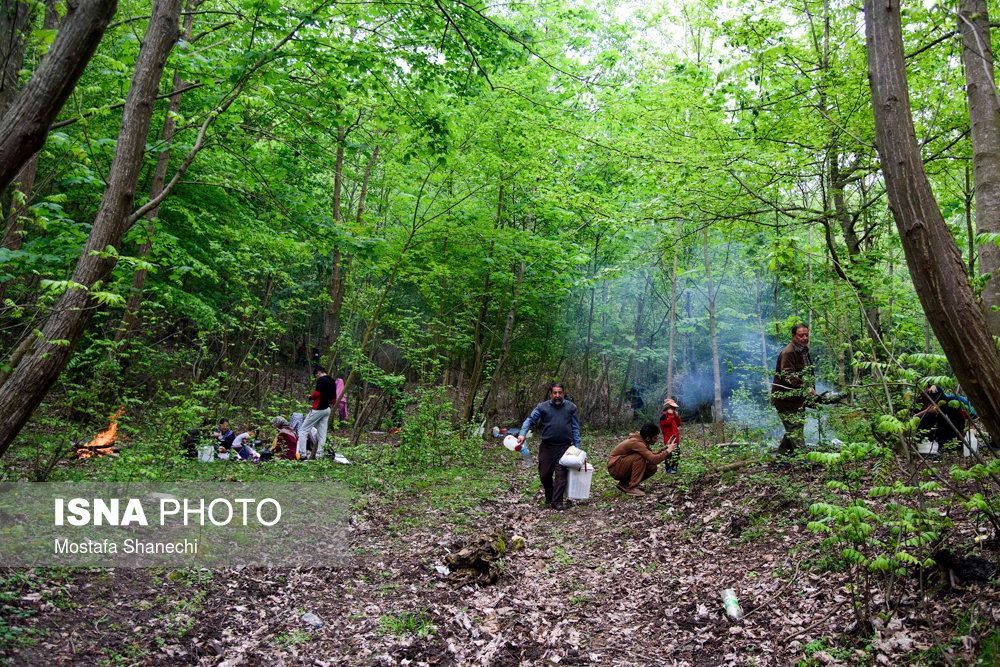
785 640
730 466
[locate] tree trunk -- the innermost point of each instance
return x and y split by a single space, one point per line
637 331
155 188
856 255
969 227
493 392
984 119
478 361
717 422
673 330
760 323
27 121
590 314
24 182
932 255
27 386
13 236
14 16
343 265
338 186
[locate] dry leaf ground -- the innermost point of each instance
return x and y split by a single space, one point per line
612 581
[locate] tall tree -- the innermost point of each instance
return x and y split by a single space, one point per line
24 390
155 189
26 123
24 182
14 16
984 118
932 255
717 422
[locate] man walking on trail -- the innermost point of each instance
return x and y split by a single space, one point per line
319 416
792 387
560 429
633 460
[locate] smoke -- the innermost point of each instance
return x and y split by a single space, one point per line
746 353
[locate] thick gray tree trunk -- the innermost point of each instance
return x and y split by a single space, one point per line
932 255
28 384
984 117
27 121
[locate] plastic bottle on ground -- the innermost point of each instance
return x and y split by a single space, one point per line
731 604
312 619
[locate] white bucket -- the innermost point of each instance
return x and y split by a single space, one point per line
578 487
206 453
971 443
927 447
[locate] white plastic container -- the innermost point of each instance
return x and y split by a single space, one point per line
573 458
578 485
206 454
927 447
970 444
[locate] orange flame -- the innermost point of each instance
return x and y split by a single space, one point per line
105 438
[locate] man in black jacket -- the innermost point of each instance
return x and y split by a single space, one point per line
560 429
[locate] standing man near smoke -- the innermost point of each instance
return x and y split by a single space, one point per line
560 429
792 387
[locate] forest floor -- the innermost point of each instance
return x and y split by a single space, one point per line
610 581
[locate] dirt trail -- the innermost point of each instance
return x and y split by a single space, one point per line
613 581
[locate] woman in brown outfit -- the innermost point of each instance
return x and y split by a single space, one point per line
632 461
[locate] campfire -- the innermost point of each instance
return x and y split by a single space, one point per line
103 442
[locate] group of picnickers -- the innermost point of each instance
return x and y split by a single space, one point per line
299 438
943 418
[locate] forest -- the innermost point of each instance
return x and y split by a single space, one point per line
449 205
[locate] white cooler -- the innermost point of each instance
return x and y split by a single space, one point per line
578 486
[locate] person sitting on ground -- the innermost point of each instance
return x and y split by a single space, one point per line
195 438
224 435
940 422
294 423
285 443
243 444
670 426
632 461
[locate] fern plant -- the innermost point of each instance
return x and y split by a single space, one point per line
881 532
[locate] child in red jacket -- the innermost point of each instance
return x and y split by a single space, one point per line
670 426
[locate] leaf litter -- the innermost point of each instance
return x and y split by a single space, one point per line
611 581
